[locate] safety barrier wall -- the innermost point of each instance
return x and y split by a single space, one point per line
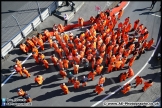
17 39
13 42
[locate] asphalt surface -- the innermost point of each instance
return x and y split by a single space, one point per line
50 94
7 10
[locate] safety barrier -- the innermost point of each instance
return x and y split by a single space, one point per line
13 42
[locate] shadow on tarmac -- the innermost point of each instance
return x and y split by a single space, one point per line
147 8
15 78
49 86
146 13
49 95
25 87
81 97
52 79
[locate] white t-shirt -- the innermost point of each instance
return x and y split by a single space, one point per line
66 17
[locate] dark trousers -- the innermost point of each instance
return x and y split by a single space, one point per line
152 5
66 21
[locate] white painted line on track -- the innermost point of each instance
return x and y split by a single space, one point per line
156 15
130 79
123 7
112 81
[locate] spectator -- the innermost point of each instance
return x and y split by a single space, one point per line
66 18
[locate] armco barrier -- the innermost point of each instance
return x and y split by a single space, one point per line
27 30
7 48
13 42
17 39
45 14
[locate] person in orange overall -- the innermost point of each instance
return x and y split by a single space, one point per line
140 38
89 57
18 70
71 36
98 89
103 47
110 47
131 61
63 73
20 92
107 40
36 57
23 48
144 44
47 33
150 43
118 64
94 52
146 35
120 26
39 79
26 72
80 22
76 40
70 58
128 27
127 20
132 47
93 62
139 80
147 84
46 64
92 19
64 88
112 59
76 83
121 50
35 40
101 80
66 37
63 44
126 88
92 75
110 67
123 76
84 81
99 69
102 54
54 59
136 23
66 50
55 45
35 50
71 45
60 64
144 30
65 63
77 58
18 63
30 42
82 36
139 29
60 28
79 46
88 50
41 56
50 42
81 55
59 51
127 52
115 49
120 13
124 60
76 68
99 60
130 72
41 44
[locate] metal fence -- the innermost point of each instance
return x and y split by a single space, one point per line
13 42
